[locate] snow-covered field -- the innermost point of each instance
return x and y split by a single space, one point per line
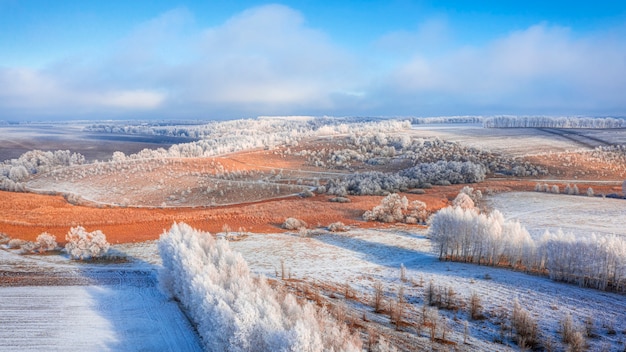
361 257
510 141
118 307
75 307
577 214
51 303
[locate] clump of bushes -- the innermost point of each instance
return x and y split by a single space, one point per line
338 227
85 245
46 242
568 189
15 243
422 175
394 208
294 224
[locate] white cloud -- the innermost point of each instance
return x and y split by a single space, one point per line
262 61
541 67
268 61
131 99
267 57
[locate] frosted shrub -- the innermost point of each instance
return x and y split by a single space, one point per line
234 311
589 192
389 210
568 189
46 242
338 227
85 245
294 224
28 247
525 327
463 201
18 173
555 189
394 208
475 194
15 243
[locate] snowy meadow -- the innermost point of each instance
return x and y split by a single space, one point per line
375 235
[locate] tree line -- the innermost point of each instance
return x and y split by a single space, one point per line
465 234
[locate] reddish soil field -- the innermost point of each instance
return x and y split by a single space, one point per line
26 215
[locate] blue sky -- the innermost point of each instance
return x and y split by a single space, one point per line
223 59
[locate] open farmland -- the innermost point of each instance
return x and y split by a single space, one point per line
360 258
245 185
47 303
18 139
514 141
579 215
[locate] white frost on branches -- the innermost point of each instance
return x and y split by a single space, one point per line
394 208
85 245
46 242
235 311
469 236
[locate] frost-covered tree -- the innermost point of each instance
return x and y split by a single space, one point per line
236 311
15 171
85 245
18 173
466 235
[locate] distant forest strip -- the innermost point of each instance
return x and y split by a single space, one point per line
553 122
